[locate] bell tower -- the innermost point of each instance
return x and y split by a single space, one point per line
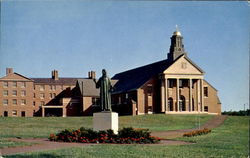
176 47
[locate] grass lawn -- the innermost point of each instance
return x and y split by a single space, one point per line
5 143
229 140
41 127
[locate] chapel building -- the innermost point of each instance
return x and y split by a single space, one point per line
175 85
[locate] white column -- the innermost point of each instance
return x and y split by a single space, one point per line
42 111
177 94
162 94
166 94
190 94
202 96
198 95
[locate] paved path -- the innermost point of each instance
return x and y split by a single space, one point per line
45 144
216 121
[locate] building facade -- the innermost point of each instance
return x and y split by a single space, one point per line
175 85
55 96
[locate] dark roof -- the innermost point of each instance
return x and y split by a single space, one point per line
135 78
71 81
87 87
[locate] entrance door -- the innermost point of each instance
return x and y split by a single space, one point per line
182 103
5 114
170 104
23 113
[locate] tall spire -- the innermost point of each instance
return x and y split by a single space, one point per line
176 47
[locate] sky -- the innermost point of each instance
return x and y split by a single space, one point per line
76 36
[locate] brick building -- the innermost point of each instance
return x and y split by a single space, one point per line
55 96
174 85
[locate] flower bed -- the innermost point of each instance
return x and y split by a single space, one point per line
124 136
197 132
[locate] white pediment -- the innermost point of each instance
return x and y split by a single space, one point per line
183 66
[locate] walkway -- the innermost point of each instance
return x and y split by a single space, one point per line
45 144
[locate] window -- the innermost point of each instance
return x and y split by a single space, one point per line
205 91
149 90
14 102
23 113
14 84
5 84
206 108
5 93
5 114
23 93
34 103
5 102
170 83
42 87
50 95
52 87
14 93
23 84
126 95
95 101
34 95
14 113
181 83
23 102
42 95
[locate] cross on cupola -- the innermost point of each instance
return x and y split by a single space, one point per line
176 47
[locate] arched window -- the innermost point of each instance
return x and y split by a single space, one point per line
170 104
182 104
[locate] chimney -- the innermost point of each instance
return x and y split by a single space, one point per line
91 74
9 71
55 75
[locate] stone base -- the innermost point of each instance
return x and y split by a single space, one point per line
105 120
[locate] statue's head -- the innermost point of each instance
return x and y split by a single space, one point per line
104 72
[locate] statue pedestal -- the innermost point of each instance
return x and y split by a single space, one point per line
105 120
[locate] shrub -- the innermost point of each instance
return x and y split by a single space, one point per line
124 136
197 132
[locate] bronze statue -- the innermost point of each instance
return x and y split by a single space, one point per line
105 89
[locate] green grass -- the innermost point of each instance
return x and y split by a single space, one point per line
229 140
5 143
39 127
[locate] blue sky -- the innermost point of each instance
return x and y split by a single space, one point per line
75 37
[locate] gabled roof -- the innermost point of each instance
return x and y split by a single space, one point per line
194 64
3 78
87 87
135 78
210 85
71 81
22 76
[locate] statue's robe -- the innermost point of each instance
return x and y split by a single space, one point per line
105 99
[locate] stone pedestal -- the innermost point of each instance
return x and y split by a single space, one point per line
105 120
